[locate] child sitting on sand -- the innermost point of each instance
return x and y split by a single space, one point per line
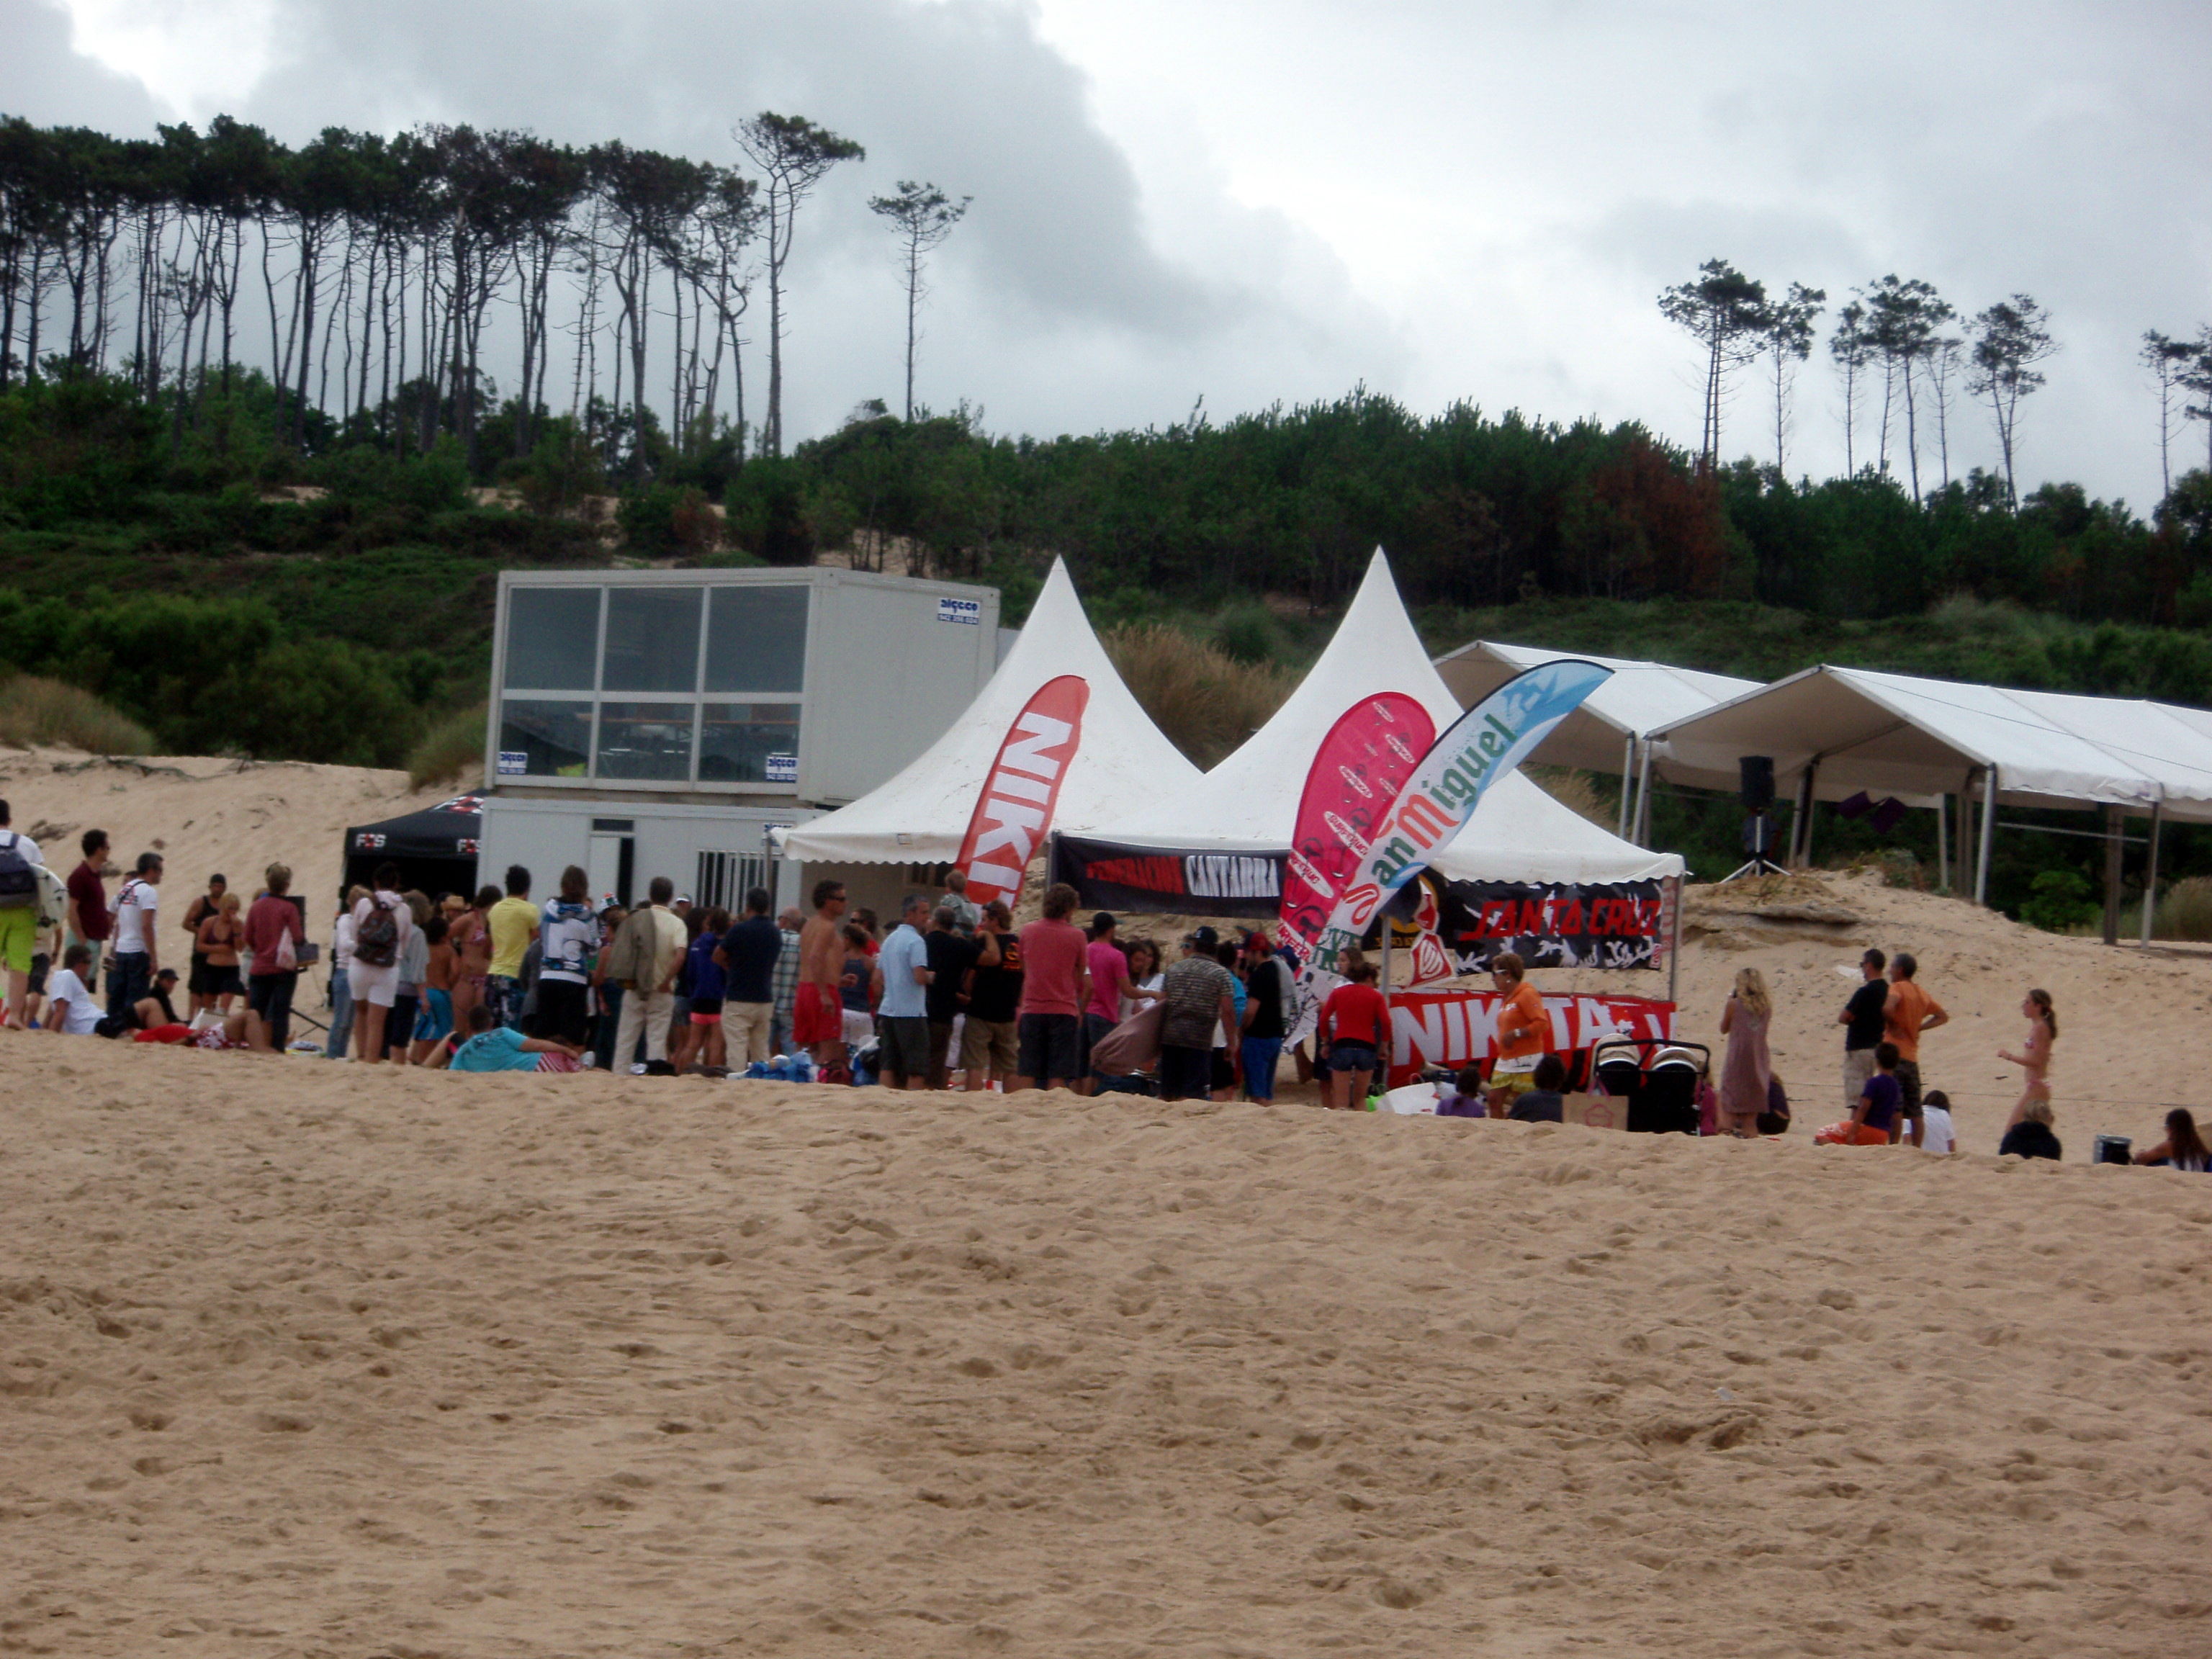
1468 1101
1937 1132
1876 1110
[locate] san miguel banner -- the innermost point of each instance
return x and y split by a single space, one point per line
1112 876
1015 809
1488 741
1619 925
1356 775
1453 1029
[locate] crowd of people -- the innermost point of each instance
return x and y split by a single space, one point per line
952 994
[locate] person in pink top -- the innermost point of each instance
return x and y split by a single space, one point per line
1054 987
1109 970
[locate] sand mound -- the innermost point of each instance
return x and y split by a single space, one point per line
205 814
295 1359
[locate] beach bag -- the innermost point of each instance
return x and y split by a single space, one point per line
376 941
286 958
19 887
1132 1046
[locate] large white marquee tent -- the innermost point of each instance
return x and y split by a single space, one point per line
1834 732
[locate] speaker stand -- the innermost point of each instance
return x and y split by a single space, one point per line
1761 866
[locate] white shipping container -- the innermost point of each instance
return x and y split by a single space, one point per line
810 686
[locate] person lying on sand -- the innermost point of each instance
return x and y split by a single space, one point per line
2183 1147
491 1047
243 1030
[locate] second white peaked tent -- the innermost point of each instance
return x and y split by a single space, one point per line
1248 804
921 816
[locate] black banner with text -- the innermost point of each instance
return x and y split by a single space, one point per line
1618 925
1162 881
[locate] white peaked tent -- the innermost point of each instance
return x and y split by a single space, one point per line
1250 802
921 817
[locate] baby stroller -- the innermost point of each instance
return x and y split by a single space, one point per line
1658 1077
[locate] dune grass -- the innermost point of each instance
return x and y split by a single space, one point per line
2184 910
36 711
1205 700
451 751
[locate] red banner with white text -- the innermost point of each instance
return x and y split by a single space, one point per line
1458 1028
1014 812
1356 775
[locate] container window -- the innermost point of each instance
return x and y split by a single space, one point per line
757 640
552 638
749 742
554 737
645 740
653 639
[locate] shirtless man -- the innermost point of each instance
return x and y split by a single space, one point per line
817 1020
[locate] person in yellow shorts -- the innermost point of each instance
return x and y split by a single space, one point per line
1524 1031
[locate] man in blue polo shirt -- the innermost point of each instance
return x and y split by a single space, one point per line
903 1016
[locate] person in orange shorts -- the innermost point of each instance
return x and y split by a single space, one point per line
1876 1109
817 1014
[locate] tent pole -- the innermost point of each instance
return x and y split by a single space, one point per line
1390 1030
1942 848
1989 833
1643 835
1674 947
1627 782
2150 875
1801 813
2114 824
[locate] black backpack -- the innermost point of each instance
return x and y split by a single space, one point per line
19 884
376 942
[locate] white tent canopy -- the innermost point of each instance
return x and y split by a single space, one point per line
1899 734
1250 802
921 817
1640 698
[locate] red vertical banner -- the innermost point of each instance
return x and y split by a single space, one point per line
1014 813
1356 775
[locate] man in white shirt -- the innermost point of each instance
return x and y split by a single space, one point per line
137 954
69 1007
19 913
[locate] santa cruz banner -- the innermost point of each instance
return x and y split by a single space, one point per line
1452 1029
1622 925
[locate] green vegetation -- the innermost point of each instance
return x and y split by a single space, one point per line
450 752
35 711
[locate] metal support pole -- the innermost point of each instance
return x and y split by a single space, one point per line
1942 848
1627 782
2150 873
1801 833
1643 835
2114 824
1674 947
1962 837
1989 834
1390 1030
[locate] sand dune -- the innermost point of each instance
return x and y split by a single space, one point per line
299 1360
205 814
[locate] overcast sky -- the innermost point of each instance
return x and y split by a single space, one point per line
1258 203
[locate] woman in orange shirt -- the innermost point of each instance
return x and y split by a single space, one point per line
1524 1031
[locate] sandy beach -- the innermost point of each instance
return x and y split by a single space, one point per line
299 1359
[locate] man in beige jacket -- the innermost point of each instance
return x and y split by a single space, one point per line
646 955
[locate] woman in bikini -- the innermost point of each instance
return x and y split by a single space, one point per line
2034 1057
470 940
